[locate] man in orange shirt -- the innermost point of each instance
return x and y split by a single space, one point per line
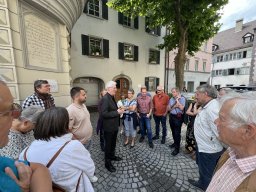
160 109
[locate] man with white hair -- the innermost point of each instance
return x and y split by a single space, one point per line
209 148
111 116
236 169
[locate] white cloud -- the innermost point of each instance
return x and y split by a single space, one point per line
237 9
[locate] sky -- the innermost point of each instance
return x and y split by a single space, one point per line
238 9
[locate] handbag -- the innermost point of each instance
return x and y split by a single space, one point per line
55 187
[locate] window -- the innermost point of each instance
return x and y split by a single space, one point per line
128 52
196 65
234 56
154 57
127 21
218 72
151 83
230 56
204 66
247 38
190 86
97 8
94 46
187 65
217 86
239 55
226 57
153 31
224 72
244 54
214 47
229 85
245 71
231 71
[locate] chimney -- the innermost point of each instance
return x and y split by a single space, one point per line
239 25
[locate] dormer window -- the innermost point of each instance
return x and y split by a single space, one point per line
248 37
214 47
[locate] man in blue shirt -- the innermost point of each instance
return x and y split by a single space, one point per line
176 108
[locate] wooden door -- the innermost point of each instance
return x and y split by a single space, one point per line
122 85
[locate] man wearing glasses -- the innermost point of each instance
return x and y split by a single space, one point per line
16 176
160 109
41 96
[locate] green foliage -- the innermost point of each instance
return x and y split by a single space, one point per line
190 22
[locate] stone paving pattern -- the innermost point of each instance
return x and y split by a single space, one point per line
144 169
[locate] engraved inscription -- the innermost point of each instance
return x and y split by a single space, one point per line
41 42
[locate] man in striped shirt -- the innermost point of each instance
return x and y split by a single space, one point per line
209 148
236 169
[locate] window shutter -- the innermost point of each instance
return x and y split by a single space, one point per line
158 57
136 23
85 44
106 48
157 82
121 50
136 53
104 9
120 18
146 82
159 31
86 7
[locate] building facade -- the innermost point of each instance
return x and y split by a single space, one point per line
114 47
234 56
196 70
34 44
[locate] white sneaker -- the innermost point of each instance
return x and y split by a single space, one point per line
93 179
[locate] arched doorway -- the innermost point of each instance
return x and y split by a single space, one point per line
122 85
93 86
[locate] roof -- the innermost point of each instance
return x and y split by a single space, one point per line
230 40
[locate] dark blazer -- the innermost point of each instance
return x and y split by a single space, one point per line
109 113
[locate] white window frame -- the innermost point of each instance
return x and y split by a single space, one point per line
128 52
95 46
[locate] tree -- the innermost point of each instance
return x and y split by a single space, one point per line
189 22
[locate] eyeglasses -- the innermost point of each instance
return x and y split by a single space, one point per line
15 111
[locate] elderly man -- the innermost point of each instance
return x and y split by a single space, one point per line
41 96
111 117
176 107
236 169
206 134
160 109
28 178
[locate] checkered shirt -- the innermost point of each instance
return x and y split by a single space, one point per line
34 100
232 173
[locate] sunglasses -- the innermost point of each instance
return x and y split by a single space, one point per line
15 111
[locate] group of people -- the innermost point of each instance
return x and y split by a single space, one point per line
52 143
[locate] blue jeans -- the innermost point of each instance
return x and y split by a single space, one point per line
161 119
206 164
145 122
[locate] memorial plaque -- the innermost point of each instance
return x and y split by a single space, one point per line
41 42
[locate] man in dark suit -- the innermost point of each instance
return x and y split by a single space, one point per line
111 117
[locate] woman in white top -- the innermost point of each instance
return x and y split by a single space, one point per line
72 167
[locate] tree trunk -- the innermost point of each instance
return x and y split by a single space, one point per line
180 60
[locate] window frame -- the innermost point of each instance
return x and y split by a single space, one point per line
154 56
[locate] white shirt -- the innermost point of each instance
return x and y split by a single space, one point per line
68 166
205 130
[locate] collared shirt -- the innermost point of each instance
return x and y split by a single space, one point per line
34 100
205 130
128 103
66 169
160 103
232 173
144 104
175 111
79 122
17 142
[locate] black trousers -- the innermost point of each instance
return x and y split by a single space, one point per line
175 124
110 144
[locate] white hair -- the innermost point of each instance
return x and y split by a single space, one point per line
110 84
244 110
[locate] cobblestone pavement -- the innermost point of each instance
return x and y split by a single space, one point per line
144 169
